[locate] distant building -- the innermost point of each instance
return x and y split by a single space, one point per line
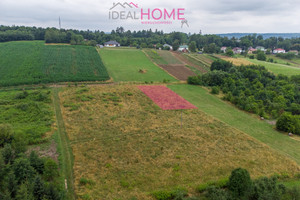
237 50
223 49
167 45
251 50
278 51
111 44
183 48
294 52
99 45
260 48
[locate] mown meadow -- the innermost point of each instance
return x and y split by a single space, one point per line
126 147
132 65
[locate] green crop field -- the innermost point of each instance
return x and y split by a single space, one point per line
34 63
126 65
245 122
277 68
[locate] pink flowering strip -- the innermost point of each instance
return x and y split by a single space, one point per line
165 98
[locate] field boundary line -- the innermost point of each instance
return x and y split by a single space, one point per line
67 159
244 132
195 58
158 65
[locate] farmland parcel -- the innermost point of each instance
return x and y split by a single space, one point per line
127 64
126 147
33 63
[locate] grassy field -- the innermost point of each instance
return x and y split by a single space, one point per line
28 112
126 147
235 61
162 57
168 57
125 65
203 58
277 68
34 63
155 57
295 62
245 122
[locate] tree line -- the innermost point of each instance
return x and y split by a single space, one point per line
239 186
25 176
149 38
255 89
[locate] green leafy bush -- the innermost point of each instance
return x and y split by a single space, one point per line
239 182
289 123
6 134
215 90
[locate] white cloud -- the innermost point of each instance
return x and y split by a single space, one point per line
211 16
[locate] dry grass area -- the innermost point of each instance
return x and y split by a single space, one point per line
235 61
125 146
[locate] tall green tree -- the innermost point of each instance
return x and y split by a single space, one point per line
261 56
6 134
192 46
175 45
24 193
239 183
23 170
38 188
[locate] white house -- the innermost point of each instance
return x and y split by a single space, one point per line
278 51
237 50
223 49
183 48
111 44
167 45
260 48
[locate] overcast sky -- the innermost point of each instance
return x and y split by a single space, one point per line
210 16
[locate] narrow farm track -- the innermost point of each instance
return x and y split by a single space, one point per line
66 154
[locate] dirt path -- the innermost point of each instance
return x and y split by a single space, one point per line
66 151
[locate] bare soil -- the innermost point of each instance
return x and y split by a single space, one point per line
181 72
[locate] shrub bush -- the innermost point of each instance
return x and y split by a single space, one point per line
239 182
289 123
221 65
6 134
215 90
261 56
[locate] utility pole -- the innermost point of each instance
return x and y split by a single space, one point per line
59 23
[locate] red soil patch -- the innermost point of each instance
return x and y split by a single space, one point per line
165 98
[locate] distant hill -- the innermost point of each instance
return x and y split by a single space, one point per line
265 35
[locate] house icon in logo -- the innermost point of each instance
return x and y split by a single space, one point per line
124 5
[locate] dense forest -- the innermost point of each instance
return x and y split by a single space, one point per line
24 173
148 38
255 89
